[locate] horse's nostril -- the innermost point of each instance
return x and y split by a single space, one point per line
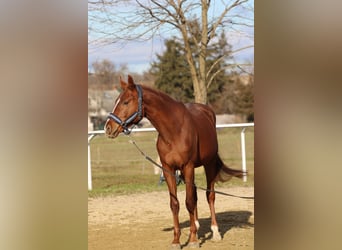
108 129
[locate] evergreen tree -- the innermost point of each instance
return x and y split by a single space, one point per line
244 99
172 72
239 97
227 93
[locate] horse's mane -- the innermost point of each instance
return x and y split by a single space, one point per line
160 94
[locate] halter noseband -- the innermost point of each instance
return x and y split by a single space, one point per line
136 114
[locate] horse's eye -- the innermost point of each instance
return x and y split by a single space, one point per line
125 102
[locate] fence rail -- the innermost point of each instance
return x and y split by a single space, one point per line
92 134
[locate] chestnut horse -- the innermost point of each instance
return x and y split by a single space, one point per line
187 139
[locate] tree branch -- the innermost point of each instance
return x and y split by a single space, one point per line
163 8
243 48
212 30
227 67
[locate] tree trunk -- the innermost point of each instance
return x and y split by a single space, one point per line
198 77
201 95
200 91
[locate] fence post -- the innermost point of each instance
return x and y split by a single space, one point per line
90 186
243 154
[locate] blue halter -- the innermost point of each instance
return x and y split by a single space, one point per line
130 119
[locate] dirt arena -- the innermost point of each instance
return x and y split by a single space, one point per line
144 221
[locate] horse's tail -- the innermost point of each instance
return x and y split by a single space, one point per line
225 173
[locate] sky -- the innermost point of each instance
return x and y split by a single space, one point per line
136 55
139 55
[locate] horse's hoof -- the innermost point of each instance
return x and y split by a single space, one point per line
175 247
216 233
193 245
217 237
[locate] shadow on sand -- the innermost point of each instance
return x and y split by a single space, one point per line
225 220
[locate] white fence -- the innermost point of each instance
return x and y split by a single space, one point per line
92 134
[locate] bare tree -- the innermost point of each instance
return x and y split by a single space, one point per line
104 72
114 21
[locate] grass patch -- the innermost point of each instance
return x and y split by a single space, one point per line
118 168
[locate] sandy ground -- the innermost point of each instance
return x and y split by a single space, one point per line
144 221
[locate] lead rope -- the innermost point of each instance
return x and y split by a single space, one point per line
169 172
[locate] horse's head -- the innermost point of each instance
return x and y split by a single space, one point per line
127 109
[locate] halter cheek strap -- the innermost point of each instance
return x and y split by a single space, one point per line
131 118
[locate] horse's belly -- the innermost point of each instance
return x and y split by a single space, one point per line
206 158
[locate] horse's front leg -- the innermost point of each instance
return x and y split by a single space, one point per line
191 205
174 205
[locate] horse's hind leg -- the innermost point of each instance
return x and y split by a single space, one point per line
210 171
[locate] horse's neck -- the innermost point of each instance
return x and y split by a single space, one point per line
163 112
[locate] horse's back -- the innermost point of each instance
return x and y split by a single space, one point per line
201 113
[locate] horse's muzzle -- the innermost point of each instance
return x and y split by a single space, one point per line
112 130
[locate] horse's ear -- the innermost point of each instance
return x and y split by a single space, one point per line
123 83
131 83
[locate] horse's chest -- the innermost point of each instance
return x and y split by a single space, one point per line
175 154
